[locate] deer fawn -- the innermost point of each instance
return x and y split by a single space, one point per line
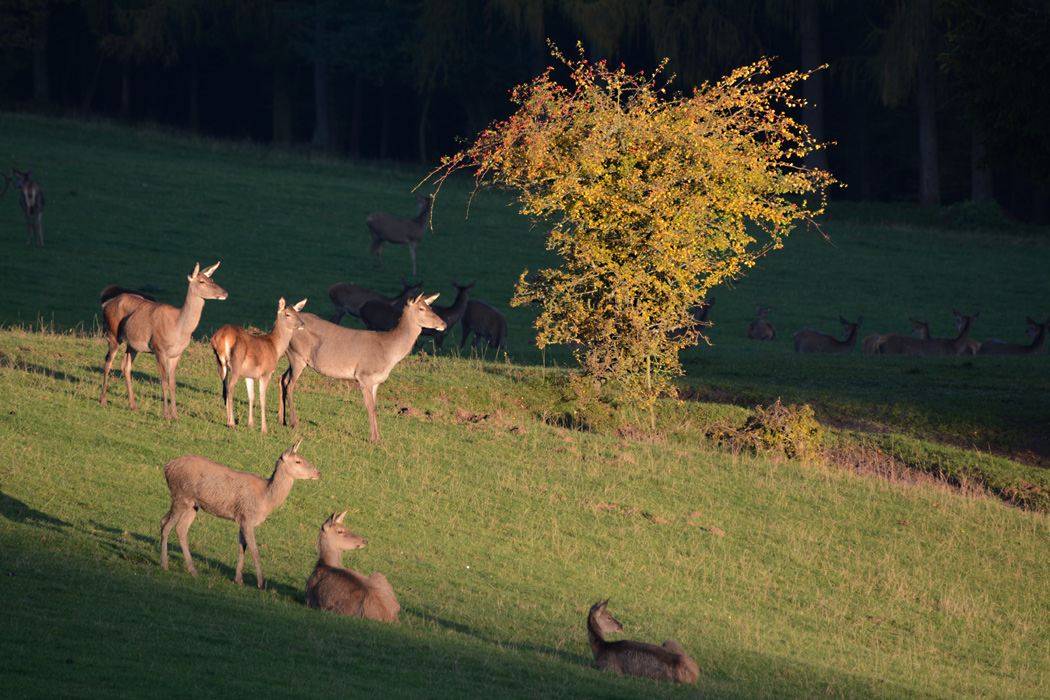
197 483
808 340
760 328
1036 331
148 326
331 587
240 354
367 357
31 197
668 662
387 228
349 298
484 322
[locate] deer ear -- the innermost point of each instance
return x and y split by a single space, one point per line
339 518
280 304
300 305
196 269
295 448
213 268
430 300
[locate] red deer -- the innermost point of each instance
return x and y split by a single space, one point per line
699 322
808 340
902 345
760 328
331 587
1036 331
197 483
31 197
668 662
148 326
115 290
349 298
241 354
450 314
367 357
387 228
484 322
920 329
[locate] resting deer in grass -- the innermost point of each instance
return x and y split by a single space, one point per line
197 483
808 340
450 314
349 298
921 329
484 322
31 197
668 662
387 228
241 354
366 357
760 328
699 322
149 326
1036 331
902 345
331 587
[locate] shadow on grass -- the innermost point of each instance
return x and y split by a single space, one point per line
18 512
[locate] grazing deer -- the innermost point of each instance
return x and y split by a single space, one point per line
902 345
450 314
345 353
31 197
699 322
197 483
387 228
668 662
331 587
240 354
760 328
349 298
485 322
149 326
808 340
1036 331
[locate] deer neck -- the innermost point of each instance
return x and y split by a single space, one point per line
328 554
1038 340
594 636
190 313
964 334
279 337
278 488
403 336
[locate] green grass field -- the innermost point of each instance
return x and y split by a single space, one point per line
497 522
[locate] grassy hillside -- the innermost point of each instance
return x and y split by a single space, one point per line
497 525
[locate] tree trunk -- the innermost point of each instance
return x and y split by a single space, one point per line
813 88
929 170
356 114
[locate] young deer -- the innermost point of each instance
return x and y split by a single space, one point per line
668 662
197 483
31 197
760 328
349 298
240 354
450 314
387 228
148 326
808 340
331 587
485 322
1036 331
367 357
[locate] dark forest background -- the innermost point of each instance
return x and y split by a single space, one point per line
927 101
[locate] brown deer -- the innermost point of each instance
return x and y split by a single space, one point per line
698 324
149 326
331 587
450 314
902 345
349 298
197 483
367 357
920 329
760 328
484 322
1036 331
808 340
31 197
241 354
115 290
668 662
387 228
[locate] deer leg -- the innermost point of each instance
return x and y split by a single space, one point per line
286 409
172 364
230 388
412 254
264 384
125 367
251 401
165 529
162 371
113 345
369 393
182 528
248 539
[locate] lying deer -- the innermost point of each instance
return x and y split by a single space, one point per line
484 322
241 354
349 298
668 662
197 483
387 228
149 326
367 357
1036 331
31 197
920 329
902 345
808 340
699 321
331 587
451 315
760 328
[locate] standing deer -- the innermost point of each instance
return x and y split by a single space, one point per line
240 354
902 345
331 587
149 326
484 322
1036 331
451 315
808 340
349 298
668 662
31 197
387 228
760 328
345 353
197 483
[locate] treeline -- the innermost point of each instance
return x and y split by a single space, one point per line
932 101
